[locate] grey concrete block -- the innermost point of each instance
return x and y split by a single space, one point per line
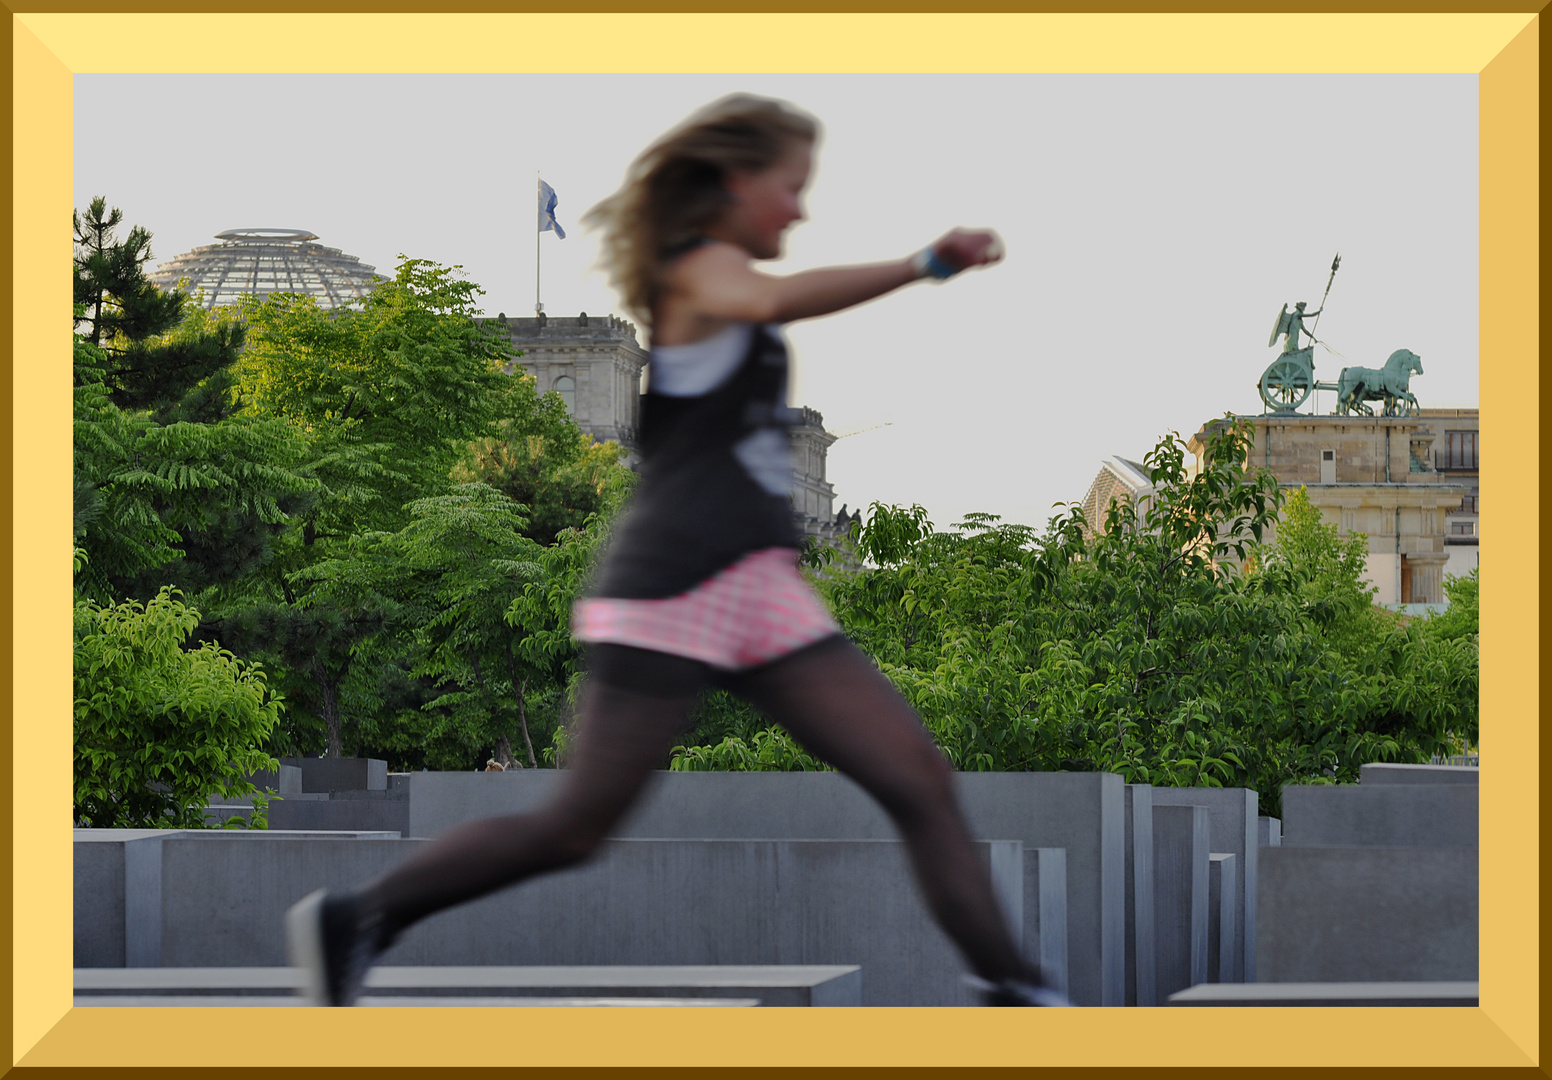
367 1001
640 902
1383 773
1222 909
1079 812
1083 814
143 902
117 895
1380 815
1180 851
1459 995
341 774
99 903
771 985
1368 914
1233 828
285 780
342 814
1269 833
1141 947
1045 912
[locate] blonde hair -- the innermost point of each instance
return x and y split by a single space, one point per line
674 189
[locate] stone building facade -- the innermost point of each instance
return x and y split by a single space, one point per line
1376 475
596 364
813 496
1119 478
1455 458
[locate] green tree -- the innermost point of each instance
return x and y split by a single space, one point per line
148 358
449 577
540 617
1310 560
539 457
310 645
1459 620
120 303
1169 645
195 505
394 395
159 728
394 391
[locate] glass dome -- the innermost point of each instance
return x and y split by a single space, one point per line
257 262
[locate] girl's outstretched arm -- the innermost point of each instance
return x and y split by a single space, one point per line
719 281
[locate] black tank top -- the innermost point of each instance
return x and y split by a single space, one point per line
699 507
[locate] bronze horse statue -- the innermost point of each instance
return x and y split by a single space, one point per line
1357 385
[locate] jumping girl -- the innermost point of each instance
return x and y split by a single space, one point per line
700 583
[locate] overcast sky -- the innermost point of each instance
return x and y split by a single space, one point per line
1155 224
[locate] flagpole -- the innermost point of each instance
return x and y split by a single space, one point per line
538 307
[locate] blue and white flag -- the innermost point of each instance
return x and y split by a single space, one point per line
547 210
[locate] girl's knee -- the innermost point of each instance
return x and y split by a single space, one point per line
921 792
572 840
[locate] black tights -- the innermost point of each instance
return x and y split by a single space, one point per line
829 696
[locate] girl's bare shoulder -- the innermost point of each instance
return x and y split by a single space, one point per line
704 290
706 261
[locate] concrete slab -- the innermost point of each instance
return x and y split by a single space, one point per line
772 985
1141 946
1269 832
1180 860
366 1001
1460 995
340 774
1367 914
1222 909
1233 829
1383 773
638 902
1380 815
381 811
1079 812
1045 912
118 888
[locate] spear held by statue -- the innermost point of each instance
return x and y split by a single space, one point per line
1336 262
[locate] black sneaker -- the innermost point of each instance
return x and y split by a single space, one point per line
1018 992
328 939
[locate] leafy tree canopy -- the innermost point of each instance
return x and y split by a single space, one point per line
195 505
1458 621
148 353
160 728
1172 645
411 374
538 456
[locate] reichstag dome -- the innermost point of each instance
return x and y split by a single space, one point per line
257 262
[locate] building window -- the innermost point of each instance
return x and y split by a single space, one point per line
1468 504
1459 452
1463 528
566 387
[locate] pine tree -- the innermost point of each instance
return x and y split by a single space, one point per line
152 358
121 303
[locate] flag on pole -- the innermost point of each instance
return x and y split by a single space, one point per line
547 210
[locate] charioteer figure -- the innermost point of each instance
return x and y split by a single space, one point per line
1291 324
1288 381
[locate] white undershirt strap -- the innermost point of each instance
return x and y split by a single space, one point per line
701 366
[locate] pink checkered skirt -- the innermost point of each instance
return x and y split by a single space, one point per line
755 611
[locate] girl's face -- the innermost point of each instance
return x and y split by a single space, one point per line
765 203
